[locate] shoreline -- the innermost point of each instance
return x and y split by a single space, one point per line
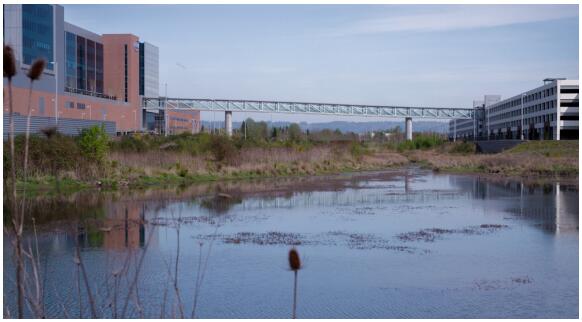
66 185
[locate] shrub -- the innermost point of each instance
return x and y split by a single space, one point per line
223 149
94 143
47 156
357 150
130 144
421 141
463 148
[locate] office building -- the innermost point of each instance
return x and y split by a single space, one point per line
89 78
548 112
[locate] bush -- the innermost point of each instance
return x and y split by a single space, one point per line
421 141
94 143
357 150
463 148
130 144
223 149
47 156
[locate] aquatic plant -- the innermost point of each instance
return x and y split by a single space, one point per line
295 266
9 72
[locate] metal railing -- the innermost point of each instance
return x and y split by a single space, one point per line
160 103
89 93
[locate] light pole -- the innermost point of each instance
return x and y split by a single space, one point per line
56 67
166 110
89 111
488 130
521 134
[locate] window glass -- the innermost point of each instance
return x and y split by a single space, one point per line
37 33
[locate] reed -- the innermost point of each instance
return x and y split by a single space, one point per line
9 72
295 266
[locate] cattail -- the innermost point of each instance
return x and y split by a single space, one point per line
9 62
294 261
36 69
295 265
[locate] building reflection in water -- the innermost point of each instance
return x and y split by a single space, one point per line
551 206
123 228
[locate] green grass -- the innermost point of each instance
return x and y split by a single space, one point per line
548 148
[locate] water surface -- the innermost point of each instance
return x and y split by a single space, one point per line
399 244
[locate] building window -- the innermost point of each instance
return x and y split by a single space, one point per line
81 63
80 106
125 72
70 60
37 34
566 90
70 105
573 103
141 69
99 68
91 86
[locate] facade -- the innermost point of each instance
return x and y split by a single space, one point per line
87 77
467 129
550 112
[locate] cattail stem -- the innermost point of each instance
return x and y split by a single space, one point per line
16 224
27 136
295 295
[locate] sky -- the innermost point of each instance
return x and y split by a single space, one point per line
412 55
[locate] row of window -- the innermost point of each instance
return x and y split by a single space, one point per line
40 11
526 110
84 63
179 119
526 98
71 105
35 44
528 120
32 26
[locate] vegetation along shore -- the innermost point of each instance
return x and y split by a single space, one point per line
93 159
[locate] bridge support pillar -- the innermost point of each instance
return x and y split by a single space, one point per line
408 128
228 122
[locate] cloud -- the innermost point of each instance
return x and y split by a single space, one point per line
461 17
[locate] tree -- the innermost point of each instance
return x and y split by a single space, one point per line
294 132
94 143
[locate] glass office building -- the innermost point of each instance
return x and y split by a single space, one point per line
37 33
84 64
148 70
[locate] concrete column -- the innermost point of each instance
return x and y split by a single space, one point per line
228 122
409 128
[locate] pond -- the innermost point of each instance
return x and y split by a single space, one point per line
394 244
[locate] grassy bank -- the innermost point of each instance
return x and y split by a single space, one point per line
59 163
63 163
529 159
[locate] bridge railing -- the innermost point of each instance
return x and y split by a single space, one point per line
306 108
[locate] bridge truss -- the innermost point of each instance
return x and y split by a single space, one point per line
161 103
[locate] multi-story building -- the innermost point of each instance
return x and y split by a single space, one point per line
468 129
548 112
88 77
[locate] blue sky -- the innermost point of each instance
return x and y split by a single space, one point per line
420 55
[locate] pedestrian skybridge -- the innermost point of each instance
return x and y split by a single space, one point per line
305 108
229 106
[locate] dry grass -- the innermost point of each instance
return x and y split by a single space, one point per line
512 163
272 161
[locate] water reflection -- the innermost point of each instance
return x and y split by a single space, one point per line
550 206
349 227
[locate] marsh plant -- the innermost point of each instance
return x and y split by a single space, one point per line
295 266
17 212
